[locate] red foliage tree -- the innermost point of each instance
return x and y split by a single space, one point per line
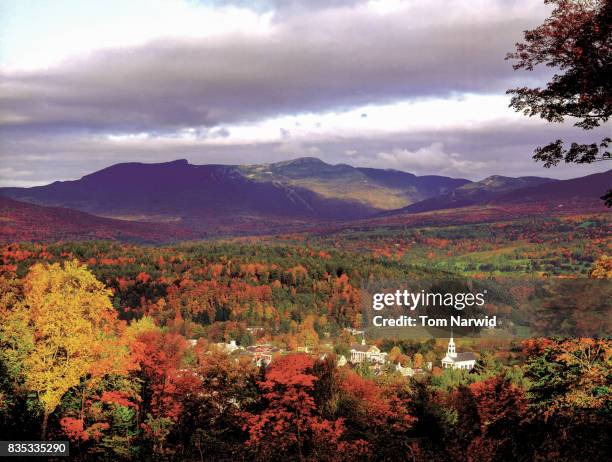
289 425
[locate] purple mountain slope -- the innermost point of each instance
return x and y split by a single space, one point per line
499 190
201 196
196 195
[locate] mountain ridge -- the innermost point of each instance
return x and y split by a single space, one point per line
383 189
200 196
23 221
497 189
217 198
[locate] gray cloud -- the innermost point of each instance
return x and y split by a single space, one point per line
281 6
319 60
474 153
320 56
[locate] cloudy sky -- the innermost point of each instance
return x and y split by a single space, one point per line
415 85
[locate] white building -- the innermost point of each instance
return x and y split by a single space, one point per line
405 371
354 331
456 360
263 354
228 347
371 353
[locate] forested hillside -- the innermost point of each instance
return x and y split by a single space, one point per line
144 332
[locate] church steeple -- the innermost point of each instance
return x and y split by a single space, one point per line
451 352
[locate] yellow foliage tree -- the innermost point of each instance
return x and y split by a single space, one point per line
602 268
62 331
307 335
394 354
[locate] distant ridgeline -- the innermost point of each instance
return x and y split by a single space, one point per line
230 199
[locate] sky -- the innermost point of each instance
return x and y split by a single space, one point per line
413 85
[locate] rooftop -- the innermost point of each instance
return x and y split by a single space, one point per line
468 356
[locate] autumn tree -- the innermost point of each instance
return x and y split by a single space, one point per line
345 302
102 414
56 335
500 406
486 366
211 422
372 412
394 354
289 425
602 268
569 397
163 383
576 41
482 421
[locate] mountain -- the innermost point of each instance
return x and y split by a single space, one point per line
220 198
586 188
177 200
522 190
29 222
377 188
478 192
277 197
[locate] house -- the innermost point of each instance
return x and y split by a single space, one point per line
228 347
340 359
456 360
405 371
364 352
262 354
354 331
256 330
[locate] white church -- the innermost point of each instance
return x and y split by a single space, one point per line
456 360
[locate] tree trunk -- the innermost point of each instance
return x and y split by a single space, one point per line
83 405
43 431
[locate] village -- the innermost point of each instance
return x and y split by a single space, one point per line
360 354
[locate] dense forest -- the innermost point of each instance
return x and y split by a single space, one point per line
119 348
